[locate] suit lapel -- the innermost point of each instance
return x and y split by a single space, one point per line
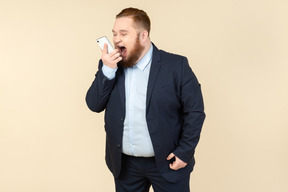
155 67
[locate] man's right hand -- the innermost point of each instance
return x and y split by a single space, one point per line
110 59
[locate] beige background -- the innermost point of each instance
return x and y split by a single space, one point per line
50 141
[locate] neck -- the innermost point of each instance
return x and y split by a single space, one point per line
147 47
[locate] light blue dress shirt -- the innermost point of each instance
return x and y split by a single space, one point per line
136 138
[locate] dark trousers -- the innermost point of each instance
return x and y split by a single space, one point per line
139 173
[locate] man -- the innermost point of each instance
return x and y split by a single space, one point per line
153 109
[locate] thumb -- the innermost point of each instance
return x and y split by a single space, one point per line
170 156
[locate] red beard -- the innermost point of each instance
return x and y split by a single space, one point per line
135 54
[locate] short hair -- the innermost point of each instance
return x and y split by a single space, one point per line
139 17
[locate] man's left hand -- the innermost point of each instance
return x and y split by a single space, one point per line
177 164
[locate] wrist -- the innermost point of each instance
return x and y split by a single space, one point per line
109 72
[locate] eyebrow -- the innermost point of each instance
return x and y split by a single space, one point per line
122 30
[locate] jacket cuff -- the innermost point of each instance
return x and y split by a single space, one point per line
186 157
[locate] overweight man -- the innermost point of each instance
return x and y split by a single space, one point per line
153 106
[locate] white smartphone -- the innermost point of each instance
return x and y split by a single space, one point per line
102 40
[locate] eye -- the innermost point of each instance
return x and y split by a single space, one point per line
124 34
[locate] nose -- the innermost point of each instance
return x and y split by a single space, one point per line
117 39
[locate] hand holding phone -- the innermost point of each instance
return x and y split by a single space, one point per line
102 40
113 56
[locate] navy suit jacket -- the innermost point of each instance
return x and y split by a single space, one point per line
174 112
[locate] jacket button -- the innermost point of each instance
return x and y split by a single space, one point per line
118 145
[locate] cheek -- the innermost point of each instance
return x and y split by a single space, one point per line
131 44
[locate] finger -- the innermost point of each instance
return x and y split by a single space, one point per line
180 162
171 155
118 59
105 48
174 166
116 56
115 51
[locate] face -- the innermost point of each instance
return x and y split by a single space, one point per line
126 40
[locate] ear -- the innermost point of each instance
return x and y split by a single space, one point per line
144 36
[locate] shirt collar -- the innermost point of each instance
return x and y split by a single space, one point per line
142 64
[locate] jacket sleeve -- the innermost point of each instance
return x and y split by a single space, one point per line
192 111
99 92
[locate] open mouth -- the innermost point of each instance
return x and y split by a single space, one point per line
123 50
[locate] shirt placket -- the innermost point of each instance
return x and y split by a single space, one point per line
131 108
